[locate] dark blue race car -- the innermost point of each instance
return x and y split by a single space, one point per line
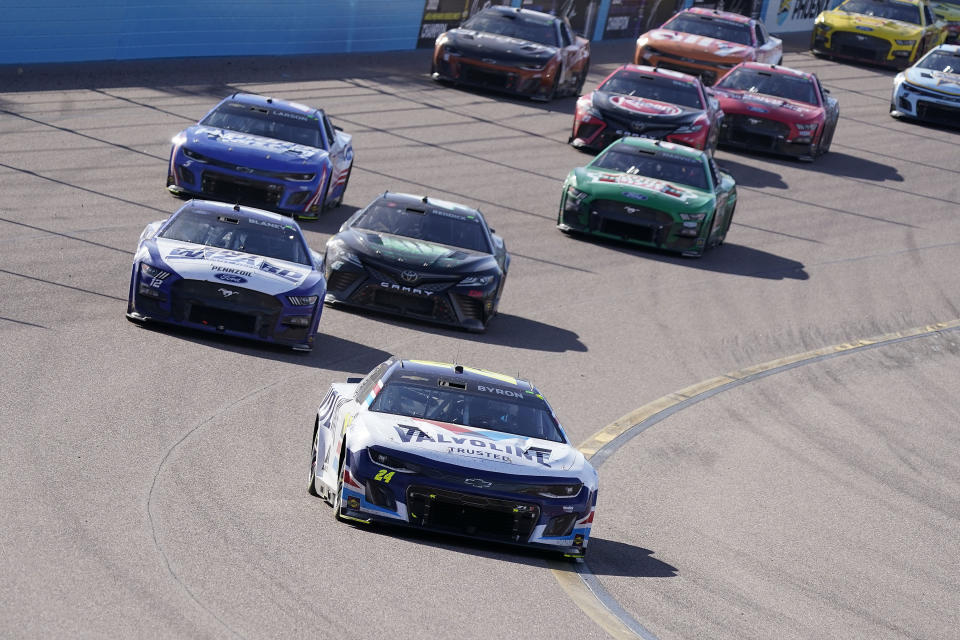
229 269
265 153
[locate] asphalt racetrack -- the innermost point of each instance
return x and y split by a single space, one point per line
153 481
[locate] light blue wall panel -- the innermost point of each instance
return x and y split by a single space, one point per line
64 31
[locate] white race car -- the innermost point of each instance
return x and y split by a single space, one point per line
930 89
453 449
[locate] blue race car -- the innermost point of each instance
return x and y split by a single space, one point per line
265 153
229 269
454 449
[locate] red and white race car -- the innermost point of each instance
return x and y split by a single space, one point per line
777 109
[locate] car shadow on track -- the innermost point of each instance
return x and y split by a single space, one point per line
614 558
504 330
329 352
732 259
843 165
749 176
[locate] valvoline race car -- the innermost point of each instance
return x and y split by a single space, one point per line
641 101
452 449
418 257
228 269
651 193
930 89
778 109
707 43
514 50
886 32
265 153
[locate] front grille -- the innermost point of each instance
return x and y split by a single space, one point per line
341 280
484 77
860 46
628 231
416 305
938 113
471 308
471 514
761 133
231 307
631 213
242 190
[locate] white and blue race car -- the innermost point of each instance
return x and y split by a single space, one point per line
229 269
453 449
930 89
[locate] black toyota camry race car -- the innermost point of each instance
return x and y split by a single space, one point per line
418 257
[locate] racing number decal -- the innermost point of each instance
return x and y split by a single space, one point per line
384 476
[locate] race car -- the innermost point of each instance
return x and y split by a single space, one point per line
948 11
231 270
651 193
263 152
886 32
930 89
641 101
454 449
518 51
778 109
418 257
707 43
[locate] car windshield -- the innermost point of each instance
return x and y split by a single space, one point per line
900 11
631 83
514 25
780 85
738 32
463 230
662 165
527 416
239 233
269 123
941 61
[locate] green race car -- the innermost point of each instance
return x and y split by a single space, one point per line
652 193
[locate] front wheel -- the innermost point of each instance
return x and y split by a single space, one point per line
581 79
338 496
343 192
312 484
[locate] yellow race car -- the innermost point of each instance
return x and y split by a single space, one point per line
887 32
949 12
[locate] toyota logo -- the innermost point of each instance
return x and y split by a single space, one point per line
409 276
480 483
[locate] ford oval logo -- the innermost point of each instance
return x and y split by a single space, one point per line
230 277
480 483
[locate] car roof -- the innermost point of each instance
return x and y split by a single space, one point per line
948 48
655 71
722 15
268 102
650 144
775 68
527 13
213 208
410 201
431 373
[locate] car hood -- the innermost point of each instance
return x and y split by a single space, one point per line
197 262
499 49
402 251
947 11
472 447
773 107
934 80
698 47
251 151
638 108
641 190
870 25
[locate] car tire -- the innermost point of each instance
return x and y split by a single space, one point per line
553 89
338 496
824 147
581 79
312 485
326 192
726 229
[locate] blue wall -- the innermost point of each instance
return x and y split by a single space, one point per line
75 30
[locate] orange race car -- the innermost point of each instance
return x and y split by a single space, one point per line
707 43
514 50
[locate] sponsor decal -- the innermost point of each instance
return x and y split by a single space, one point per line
500 392
949 79
862 28
633 195
230 277
642 105
280 272
756 109
779 103
404 289
239 272
643 182
264 223
474 447
248 140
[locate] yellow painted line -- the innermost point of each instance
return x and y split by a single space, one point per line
571 582
569 579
